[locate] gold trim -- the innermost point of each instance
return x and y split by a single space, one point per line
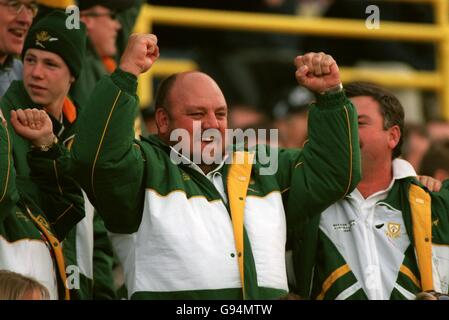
101 141
420 206
9 165
57 177
181 191
210 201
237 184
298 164
331 279
350 151
406 271
56 247
62 214
25 239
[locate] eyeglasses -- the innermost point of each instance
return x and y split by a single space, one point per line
16 7
111 14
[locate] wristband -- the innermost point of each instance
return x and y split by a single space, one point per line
334 89
46 147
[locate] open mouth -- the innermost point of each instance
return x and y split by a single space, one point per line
18 32
36 87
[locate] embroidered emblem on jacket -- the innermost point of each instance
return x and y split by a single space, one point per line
393 230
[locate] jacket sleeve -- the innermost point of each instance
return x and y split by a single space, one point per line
106 162
440 216
328 168
60 196
8 192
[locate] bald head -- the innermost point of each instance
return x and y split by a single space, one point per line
178 84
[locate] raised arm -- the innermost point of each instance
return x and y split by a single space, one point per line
107 162
329 166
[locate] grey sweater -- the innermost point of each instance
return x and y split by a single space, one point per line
10 71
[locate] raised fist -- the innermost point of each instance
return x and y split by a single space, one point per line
317 72
140 53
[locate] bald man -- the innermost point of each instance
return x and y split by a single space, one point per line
192 217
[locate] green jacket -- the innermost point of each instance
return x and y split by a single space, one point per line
171 227
94 243
28 244
67 213
324 268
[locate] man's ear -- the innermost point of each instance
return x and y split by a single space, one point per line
394 136
88 21
72 79
162 120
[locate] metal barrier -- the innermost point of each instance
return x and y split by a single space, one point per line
437 33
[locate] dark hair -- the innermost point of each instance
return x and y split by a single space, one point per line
390 107
163 91
437 157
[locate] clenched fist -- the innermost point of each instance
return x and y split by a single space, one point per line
140 53
317 72
34 125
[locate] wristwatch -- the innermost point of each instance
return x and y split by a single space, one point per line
334 89
46 147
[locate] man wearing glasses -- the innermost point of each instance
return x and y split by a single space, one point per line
16 18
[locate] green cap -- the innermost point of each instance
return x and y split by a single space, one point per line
51 34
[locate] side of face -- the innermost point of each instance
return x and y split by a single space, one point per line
46 76
13 30
376 143
195 99
102 30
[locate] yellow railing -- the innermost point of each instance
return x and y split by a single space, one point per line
437 33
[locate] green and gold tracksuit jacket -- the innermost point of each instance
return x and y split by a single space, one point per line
399 249
176 236
86 247
32 219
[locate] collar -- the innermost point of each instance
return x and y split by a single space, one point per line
401 169
69 110
194 166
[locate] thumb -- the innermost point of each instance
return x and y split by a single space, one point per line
301 74
14 119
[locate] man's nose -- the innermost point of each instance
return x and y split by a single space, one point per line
210 122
